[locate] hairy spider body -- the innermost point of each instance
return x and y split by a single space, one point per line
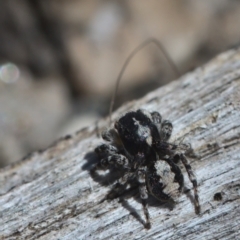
139 145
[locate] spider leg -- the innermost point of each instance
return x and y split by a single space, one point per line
188 150
113 160
105 149
119 186
193 180
141 172
166 130
156 117
157 120
111 135
110 155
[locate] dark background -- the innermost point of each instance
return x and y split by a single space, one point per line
59 59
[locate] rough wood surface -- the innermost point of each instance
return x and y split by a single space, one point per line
51 194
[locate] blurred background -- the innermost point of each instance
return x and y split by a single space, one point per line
59 59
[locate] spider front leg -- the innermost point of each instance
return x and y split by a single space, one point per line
106 149
117 160
193 180
120 185
109 156
141 177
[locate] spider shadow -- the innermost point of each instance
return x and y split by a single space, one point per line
103 179
133 192
112 176
191 198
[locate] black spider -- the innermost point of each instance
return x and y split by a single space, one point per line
139 145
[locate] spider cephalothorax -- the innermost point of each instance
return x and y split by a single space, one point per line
139 145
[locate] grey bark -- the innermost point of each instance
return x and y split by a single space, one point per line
51 194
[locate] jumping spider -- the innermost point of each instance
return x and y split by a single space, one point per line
139 145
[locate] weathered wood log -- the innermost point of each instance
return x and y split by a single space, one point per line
52 195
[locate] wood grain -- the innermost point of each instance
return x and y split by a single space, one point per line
51 194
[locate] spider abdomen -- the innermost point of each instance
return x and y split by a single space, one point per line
165 181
